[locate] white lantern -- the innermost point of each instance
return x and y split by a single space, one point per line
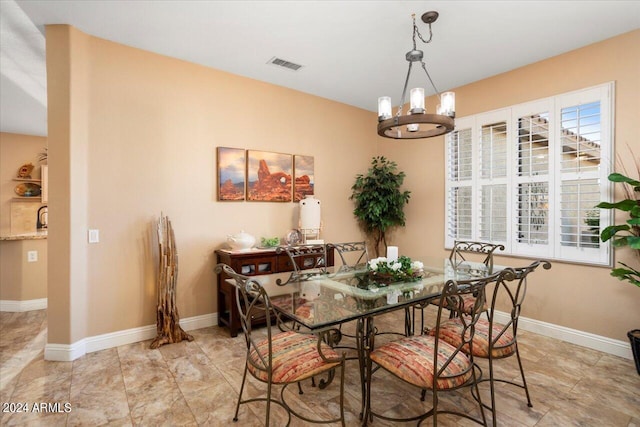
310 220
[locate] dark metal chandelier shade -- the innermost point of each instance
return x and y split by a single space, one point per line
416 123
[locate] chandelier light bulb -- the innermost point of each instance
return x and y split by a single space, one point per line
416 96
384 108
448 100
413 127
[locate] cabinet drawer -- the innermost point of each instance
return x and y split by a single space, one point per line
284 263
256 266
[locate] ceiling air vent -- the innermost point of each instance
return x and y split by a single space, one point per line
284 63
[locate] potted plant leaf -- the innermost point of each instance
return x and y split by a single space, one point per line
626 234
379 202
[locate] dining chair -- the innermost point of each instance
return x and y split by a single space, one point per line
463 249
306 261
430 363
496 337
281 358
352 254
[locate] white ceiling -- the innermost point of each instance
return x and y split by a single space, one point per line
351 51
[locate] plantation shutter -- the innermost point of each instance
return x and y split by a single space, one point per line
459 203
529 177
493 166
583 130
532 178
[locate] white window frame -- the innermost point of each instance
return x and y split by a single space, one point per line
553 249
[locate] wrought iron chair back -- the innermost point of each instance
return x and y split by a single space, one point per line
307 261
431 363
252 302
352 254
458 255
265 364
453 299
496 336
502 336
462 248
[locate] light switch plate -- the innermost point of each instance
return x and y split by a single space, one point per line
94 236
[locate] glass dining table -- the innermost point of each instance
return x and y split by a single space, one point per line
323 303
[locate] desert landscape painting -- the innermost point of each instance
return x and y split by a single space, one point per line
303 179
269 176
231 173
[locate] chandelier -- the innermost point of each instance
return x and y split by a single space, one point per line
416 123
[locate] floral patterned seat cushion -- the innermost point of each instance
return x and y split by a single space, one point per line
411 359
295 357
468 301
451 331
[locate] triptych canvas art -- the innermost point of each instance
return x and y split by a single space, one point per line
263 176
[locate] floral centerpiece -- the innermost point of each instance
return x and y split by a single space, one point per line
403 269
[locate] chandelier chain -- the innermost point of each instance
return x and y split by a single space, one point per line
416 31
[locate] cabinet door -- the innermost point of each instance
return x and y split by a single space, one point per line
257 265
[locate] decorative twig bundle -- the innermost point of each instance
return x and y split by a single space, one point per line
167 317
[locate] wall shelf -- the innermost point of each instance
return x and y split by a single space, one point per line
27 199
27 180
42 182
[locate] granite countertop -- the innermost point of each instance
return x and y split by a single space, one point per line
35 235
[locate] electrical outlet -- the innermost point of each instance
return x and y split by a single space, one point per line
94 236
32 256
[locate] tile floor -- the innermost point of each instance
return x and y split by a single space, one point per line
196 383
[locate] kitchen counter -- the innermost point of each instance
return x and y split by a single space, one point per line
35 235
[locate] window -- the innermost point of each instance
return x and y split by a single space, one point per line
529 177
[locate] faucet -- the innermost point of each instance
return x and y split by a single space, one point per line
42 220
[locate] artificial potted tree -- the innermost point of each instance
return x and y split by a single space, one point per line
626 234
379 202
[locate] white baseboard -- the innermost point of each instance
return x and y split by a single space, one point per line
64 352
574 336
28 305
69 352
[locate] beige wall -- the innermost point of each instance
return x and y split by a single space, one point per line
21 280
579 297
16 150
132 134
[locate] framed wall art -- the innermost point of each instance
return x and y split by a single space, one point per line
303 178
232 167
269 176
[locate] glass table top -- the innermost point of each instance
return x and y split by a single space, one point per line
339 296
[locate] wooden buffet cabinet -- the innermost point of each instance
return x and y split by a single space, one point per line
249 263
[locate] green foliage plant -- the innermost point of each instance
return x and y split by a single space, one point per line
627 234
269 242
379 201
